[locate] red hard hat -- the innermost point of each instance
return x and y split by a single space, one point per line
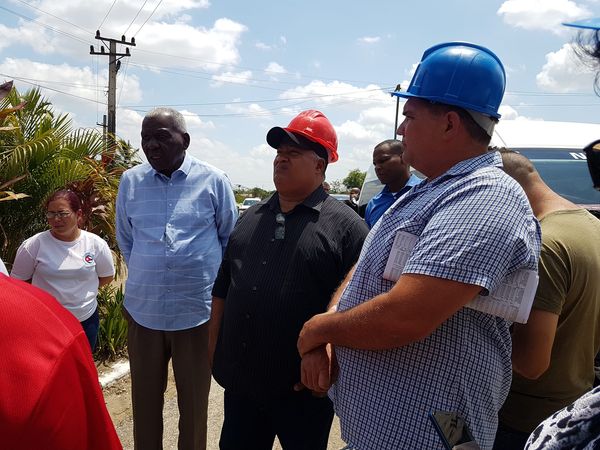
314 126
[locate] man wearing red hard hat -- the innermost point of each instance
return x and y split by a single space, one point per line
286 256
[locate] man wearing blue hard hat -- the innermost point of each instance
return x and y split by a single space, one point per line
406 343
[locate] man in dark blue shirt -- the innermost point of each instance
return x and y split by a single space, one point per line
393 173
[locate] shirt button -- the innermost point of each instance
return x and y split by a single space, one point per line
264 263
243 345
168 290
247 316
170 204
272 239
254 288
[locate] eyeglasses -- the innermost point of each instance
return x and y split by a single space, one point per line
280 229
59 214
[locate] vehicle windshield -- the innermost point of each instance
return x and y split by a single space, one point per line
250 201
566 172
563 169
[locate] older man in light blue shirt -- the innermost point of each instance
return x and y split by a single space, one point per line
174 217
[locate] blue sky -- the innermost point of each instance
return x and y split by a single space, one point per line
237 68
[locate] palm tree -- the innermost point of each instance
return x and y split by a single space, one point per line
40 153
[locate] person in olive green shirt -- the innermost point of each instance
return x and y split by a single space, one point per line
553 353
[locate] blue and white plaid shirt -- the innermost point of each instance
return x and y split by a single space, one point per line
172 233
475 226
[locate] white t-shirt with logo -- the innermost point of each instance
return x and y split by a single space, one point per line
67 270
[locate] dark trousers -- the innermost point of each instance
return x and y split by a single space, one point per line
510 439
300 421
149 355
90 327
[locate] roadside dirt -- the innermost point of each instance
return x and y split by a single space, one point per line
118 403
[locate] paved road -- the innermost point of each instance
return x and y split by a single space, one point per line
118 401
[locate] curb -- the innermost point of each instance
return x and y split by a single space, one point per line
118 371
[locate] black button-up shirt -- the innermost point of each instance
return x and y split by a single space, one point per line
273 281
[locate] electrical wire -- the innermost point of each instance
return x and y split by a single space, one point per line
123 82
51 89
148 18
56 30
136 16
107 13
52 15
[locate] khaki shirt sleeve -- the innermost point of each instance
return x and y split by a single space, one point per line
555 276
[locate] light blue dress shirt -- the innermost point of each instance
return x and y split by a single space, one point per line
172 233
474 225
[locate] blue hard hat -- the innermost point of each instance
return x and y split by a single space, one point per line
588 24
459 74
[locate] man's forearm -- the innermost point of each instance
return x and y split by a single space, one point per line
409 312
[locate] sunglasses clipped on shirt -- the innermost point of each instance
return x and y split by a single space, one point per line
280 228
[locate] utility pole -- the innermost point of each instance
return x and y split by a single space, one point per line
398 89
114 63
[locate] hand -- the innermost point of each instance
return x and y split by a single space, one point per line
319 369
308 339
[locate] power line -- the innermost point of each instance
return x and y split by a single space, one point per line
123 82
233 66
56 30
136 16
50 89
52 15
148 18
106 16
65 83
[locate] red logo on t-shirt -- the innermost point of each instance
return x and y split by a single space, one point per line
88 258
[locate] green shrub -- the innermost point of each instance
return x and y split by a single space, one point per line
112 335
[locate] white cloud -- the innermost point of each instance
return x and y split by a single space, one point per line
338 93
564 72
508 112
263 151
369 39
541 14
243 77
275 68
168 32
251 110
262 46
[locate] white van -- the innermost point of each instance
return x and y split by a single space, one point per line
555 149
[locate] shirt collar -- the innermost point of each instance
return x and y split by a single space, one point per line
413 180
472 164
314 201
185 167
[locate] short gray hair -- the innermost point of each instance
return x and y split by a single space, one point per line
178 118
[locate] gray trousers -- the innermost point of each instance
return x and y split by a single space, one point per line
149 355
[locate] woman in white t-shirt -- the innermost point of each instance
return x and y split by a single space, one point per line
67 262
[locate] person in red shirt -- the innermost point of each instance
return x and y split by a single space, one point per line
50 397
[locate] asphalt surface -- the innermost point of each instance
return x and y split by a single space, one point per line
118 401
